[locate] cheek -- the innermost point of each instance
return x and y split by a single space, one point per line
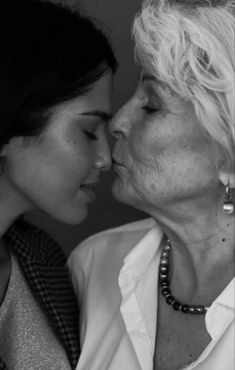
69 158
146 147
144 167
78 153
50 168
160 149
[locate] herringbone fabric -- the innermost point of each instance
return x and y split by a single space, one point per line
43 264
2 365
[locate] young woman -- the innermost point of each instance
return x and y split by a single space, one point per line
55 85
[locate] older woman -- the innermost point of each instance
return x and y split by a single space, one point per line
159 294
55 85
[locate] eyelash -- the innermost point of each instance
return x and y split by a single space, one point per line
149 110
90 135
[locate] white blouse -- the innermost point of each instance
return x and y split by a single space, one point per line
115 275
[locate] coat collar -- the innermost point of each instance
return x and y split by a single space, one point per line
43 264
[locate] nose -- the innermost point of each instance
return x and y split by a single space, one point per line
119 126
103 160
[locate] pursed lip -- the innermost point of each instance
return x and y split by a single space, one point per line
90 185
117 162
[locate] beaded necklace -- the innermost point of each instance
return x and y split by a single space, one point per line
165 289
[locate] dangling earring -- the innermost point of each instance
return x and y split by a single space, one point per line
228 205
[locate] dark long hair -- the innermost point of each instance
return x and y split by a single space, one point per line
48 54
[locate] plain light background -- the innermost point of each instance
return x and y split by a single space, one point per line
116 17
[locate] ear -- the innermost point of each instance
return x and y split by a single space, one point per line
227 178
1 160
3 151
13 143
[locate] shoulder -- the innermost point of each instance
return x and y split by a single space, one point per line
29 241
103 253
95 267
119 240
48 247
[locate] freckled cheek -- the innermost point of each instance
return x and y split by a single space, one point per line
78 152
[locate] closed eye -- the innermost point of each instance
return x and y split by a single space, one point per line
90 135
149 109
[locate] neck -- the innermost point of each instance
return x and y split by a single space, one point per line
12 205
200 234
196 225
7 218
202 248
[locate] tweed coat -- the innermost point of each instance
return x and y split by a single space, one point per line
43 263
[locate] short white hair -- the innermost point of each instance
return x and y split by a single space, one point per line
189 45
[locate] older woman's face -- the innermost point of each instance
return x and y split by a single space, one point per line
161 154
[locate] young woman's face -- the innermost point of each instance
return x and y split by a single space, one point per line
57 173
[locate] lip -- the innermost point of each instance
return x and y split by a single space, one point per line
118 169
89 190
90 185
116 162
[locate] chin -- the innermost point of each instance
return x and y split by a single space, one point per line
72 217
121 194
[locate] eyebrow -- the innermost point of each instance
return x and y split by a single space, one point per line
147 77
104 116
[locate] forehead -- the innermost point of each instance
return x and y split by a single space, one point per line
146 76
155 85
98 96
